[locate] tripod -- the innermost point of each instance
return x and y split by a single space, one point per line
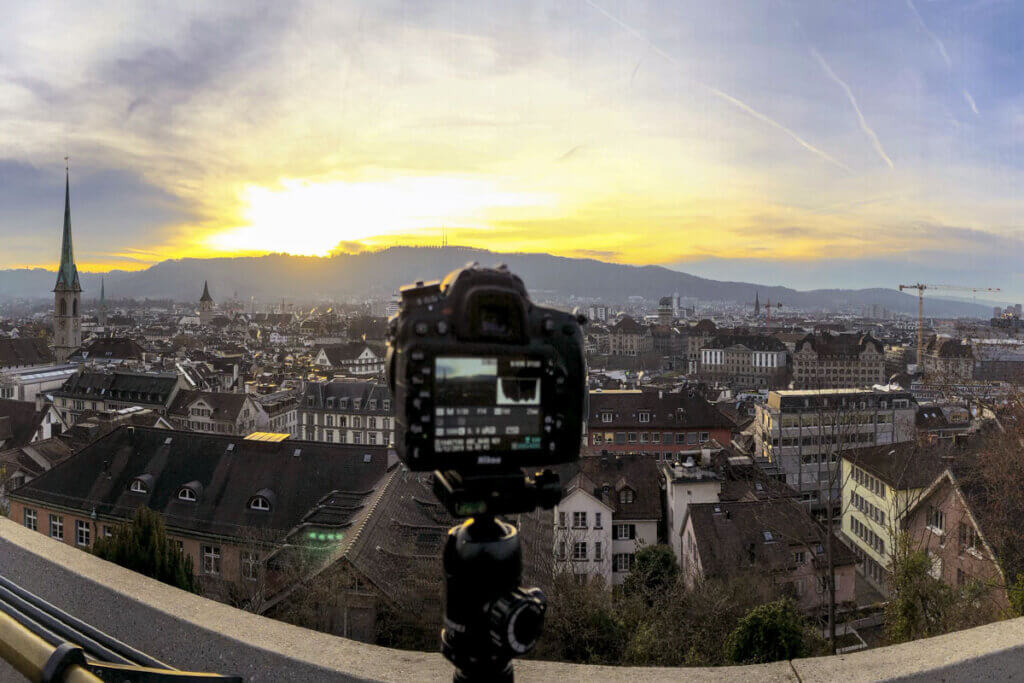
489 617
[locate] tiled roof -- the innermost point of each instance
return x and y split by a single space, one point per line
141 387
906 465
19 421
628 326
760 535
754 342
225 405
363 390
24 351
637 472
838 345
230 470
667 410
123 348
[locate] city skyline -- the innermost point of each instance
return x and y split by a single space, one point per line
792 145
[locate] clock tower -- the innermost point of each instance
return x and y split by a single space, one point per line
67 294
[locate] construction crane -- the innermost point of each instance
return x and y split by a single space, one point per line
920 310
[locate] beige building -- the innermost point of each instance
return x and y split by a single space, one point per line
829 361
948 358
629 338
747 360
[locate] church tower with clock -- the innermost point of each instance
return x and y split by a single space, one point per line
67 294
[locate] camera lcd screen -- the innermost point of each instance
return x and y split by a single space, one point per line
487 404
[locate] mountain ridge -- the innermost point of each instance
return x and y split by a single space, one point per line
379 273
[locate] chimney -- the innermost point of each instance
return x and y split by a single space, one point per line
705 456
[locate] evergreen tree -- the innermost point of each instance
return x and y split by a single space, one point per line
768 633
142 546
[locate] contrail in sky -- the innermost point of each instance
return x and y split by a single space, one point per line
935 38
970 101
853 101
739 104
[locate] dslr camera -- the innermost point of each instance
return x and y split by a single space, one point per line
484 380
485 384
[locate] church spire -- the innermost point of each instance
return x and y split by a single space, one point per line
757 304
103 293
206 293
67 274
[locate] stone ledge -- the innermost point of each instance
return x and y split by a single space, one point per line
191 632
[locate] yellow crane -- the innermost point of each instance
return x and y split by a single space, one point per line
920 310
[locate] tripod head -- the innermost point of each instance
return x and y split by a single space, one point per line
489 617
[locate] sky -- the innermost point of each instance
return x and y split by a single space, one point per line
809 144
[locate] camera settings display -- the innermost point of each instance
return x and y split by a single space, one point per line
487 403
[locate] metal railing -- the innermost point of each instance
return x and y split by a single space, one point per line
47 645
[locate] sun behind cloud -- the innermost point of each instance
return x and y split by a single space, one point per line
311 217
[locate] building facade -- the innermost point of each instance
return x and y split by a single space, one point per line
745 360
948 359
803 432
216 412
347 411
829 361
629 338
91 391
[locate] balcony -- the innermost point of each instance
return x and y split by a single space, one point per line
196 634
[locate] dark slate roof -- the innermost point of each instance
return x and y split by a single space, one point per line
19 420
705 326
670 410
637 472
24 351
36 458
665 301
100 475
839 345
338 354
225 405
627 326
949 348
364 390
122 348
906 465
730 536
754 342
138 387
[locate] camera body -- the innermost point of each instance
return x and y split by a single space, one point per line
482 379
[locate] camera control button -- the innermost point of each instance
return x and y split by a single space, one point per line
417 355
442 327
417 404
425 418
548 325
415 429
422 328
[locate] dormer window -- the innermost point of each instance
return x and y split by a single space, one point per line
187 494
263 501
141 484
372 404
626 496
139 487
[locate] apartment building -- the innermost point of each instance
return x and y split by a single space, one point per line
227 502
354 358
831 361
219 412
669 425
91 390
347 411
803 433
948 359
627 337
745 360
774 539
879 486
610 508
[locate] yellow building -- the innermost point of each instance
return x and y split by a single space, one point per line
879 485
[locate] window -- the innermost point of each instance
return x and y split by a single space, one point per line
623 532
579 520
82 533
598 439
57 527
606 416
187 494
561 550
357 422
259 503
29 516
386 404
622 562
357 437
799 557
139 487
107 532
579 550
597 551
968 538
936 519
656 437
250 565
211 559
632 437
597 520
704 436
691 438
371 404
561 520
643 416
626 496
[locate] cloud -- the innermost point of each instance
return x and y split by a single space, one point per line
935 39
970 101
736 102
853 102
